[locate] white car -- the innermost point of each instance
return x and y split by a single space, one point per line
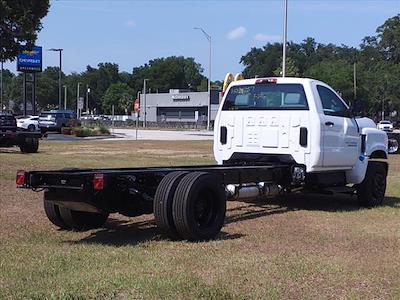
30 123
385 125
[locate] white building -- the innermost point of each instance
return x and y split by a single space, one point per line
178 106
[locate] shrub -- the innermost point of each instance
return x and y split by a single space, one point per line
84 132
67 130
103 130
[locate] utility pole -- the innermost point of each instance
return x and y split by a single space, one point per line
59 75
208 37
65 97
355 81
77 100
144 100
284 38
87 99
1 85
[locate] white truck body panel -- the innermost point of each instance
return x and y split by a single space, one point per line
333 142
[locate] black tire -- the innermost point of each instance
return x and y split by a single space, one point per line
31 127
162 205
371 191
394 142
82 220
199 206
53 214
29 145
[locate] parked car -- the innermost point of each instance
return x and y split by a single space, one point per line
54 120
385 125
30 123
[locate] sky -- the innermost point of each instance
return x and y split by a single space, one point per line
132 32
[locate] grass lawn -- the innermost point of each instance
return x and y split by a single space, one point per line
289 247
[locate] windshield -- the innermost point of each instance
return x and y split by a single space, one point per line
385 122
266 97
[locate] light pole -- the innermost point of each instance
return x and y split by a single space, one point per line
1 85
87 99
77 100
284 38
144 100
208 37
65 97
59 76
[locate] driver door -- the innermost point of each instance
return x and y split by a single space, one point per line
340 132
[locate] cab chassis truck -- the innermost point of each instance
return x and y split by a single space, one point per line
11 135
272 136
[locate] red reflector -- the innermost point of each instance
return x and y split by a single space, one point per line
20 179
266 80
98 181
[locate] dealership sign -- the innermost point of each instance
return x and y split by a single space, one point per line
30 60
181 98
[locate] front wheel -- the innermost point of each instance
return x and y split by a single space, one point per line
371 191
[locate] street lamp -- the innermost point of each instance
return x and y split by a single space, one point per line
284 38
59 75
208 37
87 99
77 100
1 85
65 97
144 100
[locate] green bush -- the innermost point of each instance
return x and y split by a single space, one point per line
103 130
67 130
84 131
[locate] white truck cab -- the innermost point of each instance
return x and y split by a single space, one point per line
296 119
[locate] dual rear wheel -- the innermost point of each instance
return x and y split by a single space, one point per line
69 219
190 206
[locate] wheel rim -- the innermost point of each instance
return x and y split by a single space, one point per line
205 210
379 186
393 146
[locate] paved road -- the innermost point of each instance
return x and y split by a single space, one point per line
167 135
130 135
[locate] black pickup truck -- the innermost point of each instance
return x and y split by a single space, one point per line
11 135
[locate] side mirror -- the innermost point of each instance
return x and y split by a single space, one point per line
357 108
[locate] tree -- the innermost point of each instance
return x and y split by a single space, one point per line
47 88
262 62
168 73
291 69
388 36
20 21
337 73
121 96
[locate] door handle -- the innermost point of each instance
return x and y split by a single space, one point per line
329 123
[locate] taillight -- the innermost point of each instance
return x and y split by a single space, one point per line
20 179
98 181
266 80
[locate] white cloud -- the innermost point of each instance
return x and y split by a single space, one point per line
267 38
237 33
130 23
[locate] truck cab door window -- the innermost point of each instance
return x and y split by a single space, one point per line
331 103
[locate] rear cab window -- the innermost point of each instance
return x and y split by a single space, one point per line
268 96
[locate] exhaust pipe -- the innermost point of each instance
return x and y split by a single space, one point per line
251 191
